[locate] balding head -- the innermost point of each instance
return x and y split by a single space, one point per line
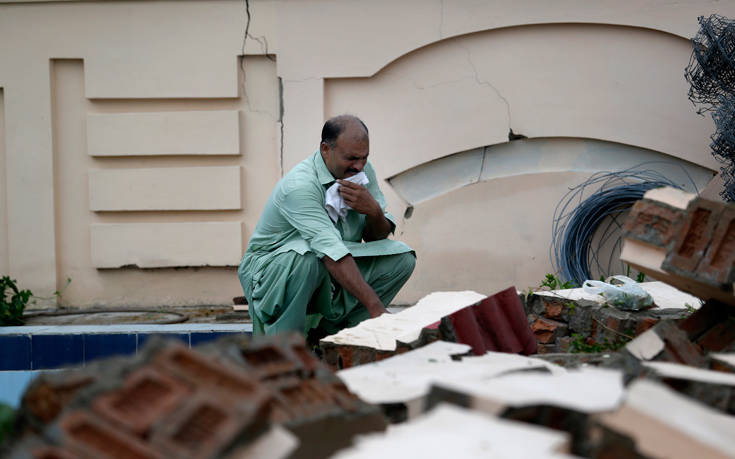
345 145
350 125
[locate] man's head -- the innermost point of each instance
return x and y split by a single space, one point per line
345 145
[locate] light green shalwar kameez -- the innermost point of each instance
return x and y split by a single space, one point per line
286 284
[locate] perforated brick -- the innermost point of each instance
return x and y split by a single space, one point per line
91 436
147 396
717 266
693 239
201 371
653 222
207 424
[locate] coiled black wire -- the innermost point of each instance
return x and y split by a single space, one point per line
577 219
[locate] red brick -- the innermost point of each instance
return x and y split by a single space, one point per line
208 423
554 310
49 394
652 222
207 372
718 337
269 361
547 331
53 452
677 347
91 436
692 241
645 324
710 314
717 266
147 396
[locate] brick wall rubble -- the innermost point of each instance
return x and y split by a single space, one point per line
495 323
170 401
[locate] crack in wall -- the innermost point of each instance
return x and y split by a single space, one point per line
489 85
280 121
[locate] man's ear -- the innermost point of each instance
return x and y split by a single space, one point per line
324 149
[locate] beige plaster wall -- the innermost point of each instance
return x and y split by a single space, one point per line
111 108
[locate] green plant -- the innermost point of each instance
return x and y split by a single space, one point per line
641 277
571 306
554 283
13 302
580 345
7 422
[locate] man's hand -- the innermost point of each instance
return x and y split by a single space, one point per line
346 273
359 198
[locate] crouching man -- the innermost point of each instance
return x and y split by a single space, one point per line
306 265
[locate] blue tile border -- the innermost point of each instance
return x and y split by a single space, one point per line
15 352
47 347
55 351
99 345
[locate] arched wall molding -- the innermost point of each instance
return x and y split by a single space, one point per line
580 81
529 157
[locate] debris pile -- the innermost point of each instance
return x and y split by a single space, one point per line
267 399
575 321
669 391
495 323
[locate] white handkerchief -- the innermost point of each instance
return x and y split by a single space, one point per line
336 206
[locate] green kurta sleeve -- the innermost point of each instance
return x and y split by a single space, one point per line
302 205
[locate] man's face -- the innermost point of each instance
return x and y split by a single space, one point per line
349 155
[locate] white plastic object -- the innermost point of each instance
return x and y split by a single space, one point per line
628 296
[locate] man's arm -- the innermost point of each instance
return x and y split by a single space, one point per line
346 273
359 198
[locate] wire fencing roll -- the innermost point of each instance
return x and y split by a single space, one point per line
711 75
593 208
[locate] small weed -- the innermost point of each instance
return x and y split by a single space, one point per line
554 283
571 306
12 303
580 345
690 308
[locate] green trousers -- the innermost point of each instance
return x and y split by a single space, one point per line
296 293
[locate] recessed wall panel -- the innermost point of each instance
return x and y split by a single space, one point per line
161 245
163 133
181 188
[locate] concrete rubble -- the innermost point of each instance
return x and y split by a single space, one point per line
457 374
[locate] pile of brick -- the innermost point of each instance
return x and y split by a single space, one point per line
268 398
562 321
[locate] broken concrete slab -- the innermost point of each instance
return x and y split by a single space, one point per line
587 390
666 424
407 378
450 431
495 323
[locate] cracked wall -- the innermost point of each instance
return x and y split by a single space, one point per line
430 78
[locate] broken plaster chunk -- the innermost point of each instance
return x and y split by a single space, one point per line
383 332
588 390
728 358
646 346
671 196
666 424
679 371
409 376
450 431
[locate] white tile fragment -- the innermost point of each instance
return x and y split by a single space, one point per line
382 332
646 346
409 376
450 431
